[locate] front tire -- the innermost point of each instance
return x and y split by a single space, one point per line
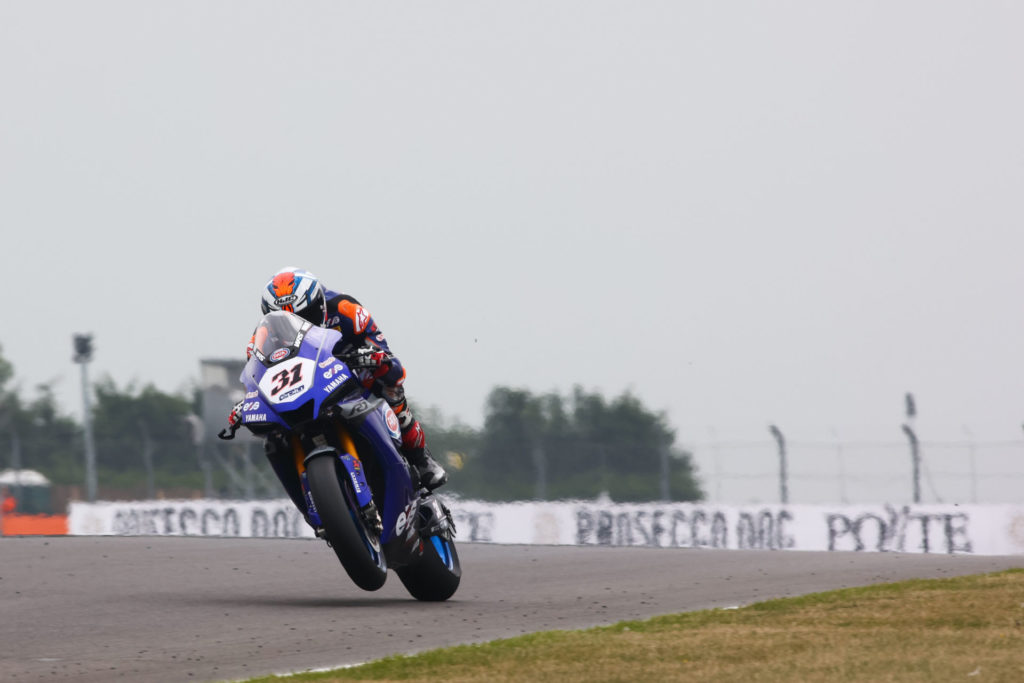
357 547
436 574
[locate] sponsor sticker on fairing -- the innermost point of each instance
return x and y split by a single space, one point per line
278 355
335 383
391 420
255 417
333 371
403 519
292 393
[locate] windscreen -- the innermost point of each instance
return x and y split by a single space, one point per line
277 334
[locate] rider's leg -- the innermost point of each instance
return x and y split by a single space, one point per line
414 447
414 441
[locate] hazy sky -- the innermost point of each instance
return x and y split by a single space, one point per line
743 212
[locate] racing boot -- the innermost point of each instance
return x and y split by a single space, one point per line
414 448
432 475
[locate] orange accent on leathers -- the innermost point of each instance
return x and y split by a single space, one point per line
356 313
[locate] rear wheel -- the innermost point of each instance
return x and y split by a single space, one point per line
436 574
357 547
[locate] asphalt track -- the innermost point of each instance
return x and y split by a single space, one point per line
203 609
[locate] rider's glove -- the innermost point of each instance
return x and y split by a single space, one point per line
235 418
367 358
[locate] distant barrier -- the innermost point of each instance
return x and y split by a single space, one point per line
946 529
271 518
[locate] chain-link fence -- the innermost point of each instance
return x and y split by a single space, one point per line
729 472
139 467
862 472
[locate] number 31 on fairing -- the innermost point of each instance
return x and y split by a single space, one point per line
288 380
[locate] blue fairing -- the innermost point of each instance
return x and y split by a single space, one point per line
398 486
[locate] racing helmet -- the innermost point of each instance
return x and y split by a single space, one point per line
296 291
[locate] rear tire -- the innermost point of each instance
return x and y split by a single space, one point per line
436 574
357 547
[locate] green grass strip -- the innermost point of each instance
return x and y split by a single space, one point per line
967 628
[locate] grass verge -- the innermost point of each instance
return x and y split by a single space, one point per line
961 629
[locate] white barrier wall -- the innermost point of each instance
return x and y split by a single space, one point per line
964 529
264 518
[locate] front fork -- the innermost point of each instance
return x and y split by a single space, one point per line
349 457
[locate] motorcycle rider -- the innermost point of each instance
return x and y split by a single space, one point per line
300 292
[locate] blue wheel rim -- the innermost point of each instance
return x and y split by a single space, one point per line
441 546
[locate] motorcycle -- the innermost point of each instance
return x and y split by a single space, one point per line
360 494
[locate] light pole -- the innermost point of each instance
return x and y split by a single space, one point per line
915 452
198 439
783 470
843 498
5 420
973 466
83 354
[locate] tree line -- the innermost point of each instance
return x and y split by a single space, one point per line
531 446
552 446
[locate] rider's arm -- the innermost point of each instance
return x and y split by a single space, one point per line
359 331
357 326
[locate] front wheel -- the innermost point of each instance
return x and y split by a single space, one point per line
357 547
435 575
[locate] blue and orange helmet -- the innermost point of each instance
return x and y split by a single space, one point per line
296 291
